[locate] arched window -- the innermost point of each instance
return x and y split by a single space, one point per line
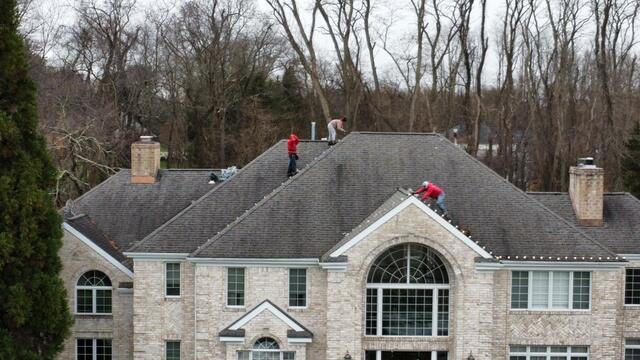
407 293
93 293
266 349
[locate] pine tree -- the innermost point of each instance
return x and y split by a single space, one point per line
631 163
34 315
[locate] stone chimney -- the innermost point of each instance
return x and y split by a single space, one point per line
586 189
145 160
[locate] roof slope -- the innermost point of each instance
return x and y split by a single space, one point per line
87 227
210 214
307 216
621 229
127 212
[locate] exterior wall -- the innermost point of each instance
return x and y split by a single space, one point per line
157 318
261 283
78 258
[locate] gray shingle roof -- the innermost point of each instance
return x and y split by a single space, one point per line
308 215
210 214
87 227
621 229
127 212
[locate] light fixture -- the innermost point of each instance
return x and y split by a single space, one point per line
347 356
470 357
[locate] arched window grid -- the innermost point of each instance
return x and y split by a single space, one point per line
407 282
94 294
266 348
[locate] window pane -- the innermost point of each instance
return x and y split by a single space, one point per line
632 287
298 287
560 294
84 349
173 279
289 355
84 301
244 355
103 301
519 289
407 312
540 290
235 287
443 312
103 349
581 298
632 354
370 355
173 350
372 312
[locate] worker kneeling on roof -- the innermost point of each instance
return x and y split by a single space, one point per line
430 190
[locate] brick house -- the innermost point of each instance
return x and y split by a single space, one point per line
341 262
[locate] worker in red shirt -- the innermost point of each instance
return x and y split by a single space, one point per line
430 190
292 148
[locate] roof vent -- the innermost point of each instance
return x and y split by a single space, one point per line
587 162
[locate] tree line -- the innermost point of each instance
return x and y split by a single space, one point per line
221 80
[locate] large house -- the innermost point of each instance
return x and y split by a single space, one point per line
341 262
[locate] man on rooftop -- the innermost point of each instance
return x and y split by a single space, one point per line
333 125
430 190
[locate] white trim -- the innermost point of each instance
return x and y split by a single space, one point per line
334 266
633 257
299 340
560 265
66 226
395 211
258 310
232 339
254 262
155 256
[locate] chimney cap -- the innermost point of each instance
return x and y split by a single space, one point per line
146 138
586 162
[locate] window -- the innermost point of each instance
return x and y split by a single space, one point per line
93 349
172 350
632 287
550 290
632 349
407 293
401 355
266 349
521 352
235 287
172 271
297 287
93 293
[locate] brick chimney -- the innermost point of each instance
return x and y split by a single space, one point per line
145 160
586 189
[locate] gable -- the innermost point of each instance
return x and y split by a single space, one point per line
296 331
409 201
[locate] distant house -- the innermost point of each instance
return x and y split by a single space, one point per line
341 262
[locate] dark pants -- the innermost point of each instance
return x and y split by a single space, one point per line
293 168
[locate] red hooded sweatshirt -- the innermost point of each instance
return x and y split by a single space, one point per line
292 144
430 191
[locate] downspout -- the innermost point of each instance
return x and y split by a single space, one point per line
195 313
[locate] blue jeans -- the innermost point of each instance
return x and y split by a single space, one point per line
440 202
292 164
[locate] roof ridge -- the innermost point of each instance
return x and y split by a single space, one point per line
269 196
200 199
395 133
534 200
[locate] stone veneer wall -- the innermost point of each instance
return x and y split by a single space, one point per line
78 258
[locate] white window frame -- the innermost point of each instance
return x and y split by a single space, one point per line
266 350
625 287
434 353
628 346
244 287
94 290
166 270
568 354
306 288
94 345
550 291
408 286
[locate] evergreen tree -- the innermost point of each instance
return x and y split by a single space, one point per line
631 163
34 315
